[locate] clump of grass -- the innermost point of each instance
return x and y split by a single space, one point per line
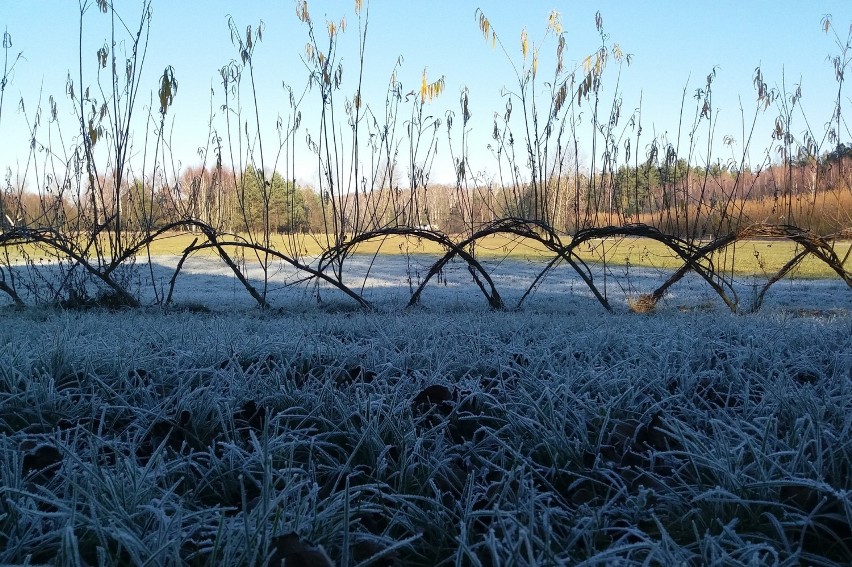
644 303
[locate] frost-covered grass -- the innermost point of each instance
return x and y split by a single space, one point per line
388 282
425 438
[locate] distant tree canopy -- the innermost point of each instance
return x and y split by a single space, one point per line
270 201
839 153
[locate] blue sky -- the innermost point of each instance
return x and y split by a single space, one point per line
675 44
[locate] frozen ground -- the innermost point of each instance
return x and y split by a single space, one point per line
445 435
388 281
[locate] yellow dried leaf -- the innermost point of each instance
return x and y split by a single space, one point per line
429 91
358 7
424 86
484 25
554 22
524 43
302 11
439 86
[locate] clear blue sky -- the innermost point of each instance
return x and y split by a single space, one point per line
675 43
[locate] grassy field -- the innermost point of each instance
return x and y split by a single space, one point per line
424 439
753 257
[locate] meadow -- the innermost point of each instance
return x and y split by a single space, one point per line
746 257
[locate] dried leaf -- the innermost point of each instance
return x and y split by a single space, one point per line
560 97
430 91
93 133
103 53
560 47
168 88
69 87
423 87
464 105
554 22
338 76
484 25
302 11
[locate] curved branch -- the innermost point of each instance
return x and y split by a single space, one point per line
453 249
295 263
55 240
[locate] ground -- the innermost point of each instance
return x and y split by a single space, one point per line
448 433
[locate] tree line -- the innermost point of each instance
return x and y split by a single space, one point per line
810 190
